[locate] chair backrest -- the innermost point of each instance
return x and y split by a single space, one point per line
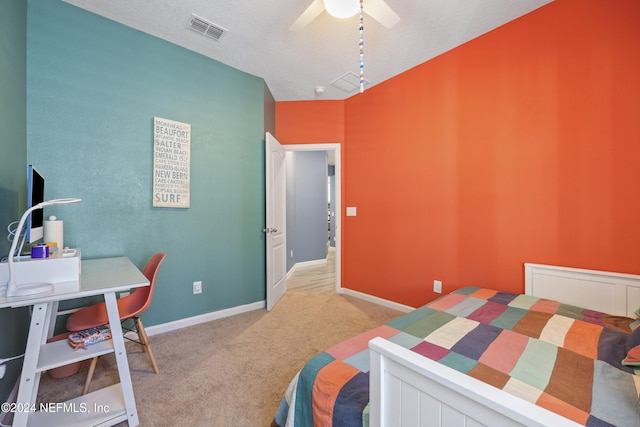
140 298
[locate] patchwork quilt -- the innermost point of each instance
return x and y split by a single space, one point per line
560 357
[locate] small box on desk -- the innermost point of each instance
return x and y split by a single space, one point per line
62 270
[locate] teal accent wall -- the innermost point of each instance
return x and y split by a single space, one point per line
14 323
13 115
93 88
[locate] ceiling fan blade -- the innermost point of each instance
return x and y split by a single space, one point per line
310 13
381 12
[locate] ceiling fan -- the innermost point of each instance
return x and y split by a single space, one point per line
376 9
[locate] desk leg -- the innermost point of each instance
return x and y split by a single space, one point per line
121 358
53 307
29 379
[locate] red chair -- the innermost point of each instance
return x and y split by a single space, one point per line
129 307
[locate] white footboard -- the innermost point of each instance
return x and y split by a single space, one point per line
407 389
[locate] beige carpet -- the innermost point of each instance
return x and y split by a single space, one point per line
232 371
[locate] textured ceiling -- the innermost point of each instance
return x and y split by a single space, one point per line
258 40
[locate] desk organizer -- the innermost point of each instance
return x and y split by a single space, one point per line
61 269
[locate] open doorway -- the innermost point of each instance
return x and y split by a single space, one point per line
332 169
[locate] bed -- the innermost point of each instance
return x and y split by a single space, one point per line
550 356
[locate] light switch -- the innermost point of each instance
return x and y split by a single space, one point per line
351 211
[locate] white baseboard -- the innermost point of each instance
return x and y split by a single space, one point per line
376 300
195 320
305 264
291 270
310 263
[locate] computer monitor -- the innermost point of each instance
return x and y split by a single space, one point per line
35 195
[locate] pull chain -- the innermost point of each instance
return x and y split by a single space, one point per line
361 28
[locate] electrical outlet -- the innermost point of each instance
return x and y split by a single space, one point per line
437 286
197 287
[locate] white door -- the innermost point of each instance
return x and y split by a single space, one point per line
275 229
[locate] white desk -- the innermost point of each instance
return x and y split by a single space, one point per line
104 407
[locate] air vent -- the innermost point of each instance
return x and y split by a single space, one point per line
348 82
206 28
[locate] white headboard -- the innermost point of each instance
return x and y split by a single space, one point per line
613 293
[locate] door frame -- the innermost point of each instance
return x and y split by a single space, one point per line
335 148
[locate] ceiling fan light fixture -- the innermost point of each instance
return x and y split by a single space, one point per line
342 8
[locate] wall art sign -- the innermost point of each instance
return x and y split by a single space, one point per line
171 163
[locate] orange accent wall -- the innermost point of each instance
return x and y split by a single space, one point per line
522 145
310 122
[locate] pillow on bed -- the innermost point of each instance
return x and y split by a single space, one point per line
633 349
